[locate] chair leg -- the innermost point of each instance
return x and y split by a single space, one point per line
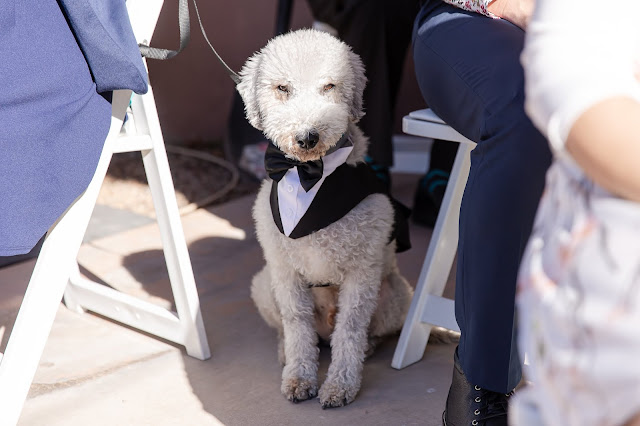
437 265
175 247
185 327
44 293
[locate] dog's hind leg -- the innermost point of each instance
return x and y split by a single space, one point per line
394 300
295 301
356 304
262 296
393 304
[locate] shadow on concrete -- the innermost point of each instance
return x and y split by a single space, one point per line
240 383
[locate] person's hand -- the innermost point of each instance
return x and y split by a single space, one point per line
517 12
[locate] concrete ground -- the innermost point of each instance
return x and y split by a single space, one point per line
97 372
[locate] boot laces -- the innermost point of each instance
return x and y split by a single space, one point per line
492 404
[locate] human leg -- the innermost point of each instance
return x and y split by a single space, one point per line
469 73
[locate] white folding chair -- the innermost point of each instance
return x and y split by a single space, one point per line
428 307
56 268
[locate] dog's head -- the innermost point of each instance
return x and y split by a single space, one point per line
302 90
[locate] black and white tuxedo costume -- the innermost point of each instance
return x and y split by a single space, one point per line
309 196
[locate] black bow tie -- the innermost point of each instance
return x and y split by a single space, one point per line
277 165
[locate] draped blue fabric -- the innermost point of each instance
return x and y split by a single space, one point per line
53 123
103 31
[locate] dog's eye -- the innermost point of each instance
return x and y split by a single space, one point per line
328 87
283 89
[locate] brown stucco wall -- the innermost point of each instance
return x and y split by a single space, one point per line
193 92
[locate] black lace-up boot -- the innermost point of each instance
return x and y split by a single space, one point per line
471 405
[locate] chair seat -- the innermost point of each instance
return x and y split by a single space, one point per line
426 115
426 123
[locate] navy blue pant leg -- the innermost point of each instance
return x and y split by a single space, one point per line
469 73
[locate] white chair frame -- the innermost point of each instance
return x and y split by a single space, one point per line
56 271
428 307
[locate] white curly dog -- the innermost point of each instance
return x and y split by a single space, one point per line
304 91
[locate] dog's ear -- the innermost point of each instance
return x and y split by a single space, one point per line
248 86
356 111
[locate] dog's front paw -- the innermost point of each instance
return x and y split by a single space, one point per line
337 393
297 389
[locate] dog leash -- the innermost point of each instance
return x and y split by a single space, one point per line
185 35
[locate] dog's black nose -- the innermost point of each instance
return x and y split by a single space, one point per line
310 140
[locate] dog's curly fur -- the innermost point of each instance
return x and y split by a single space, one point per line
301 82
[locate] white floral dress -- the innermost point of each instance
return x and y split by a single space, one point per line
578 298
579 306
